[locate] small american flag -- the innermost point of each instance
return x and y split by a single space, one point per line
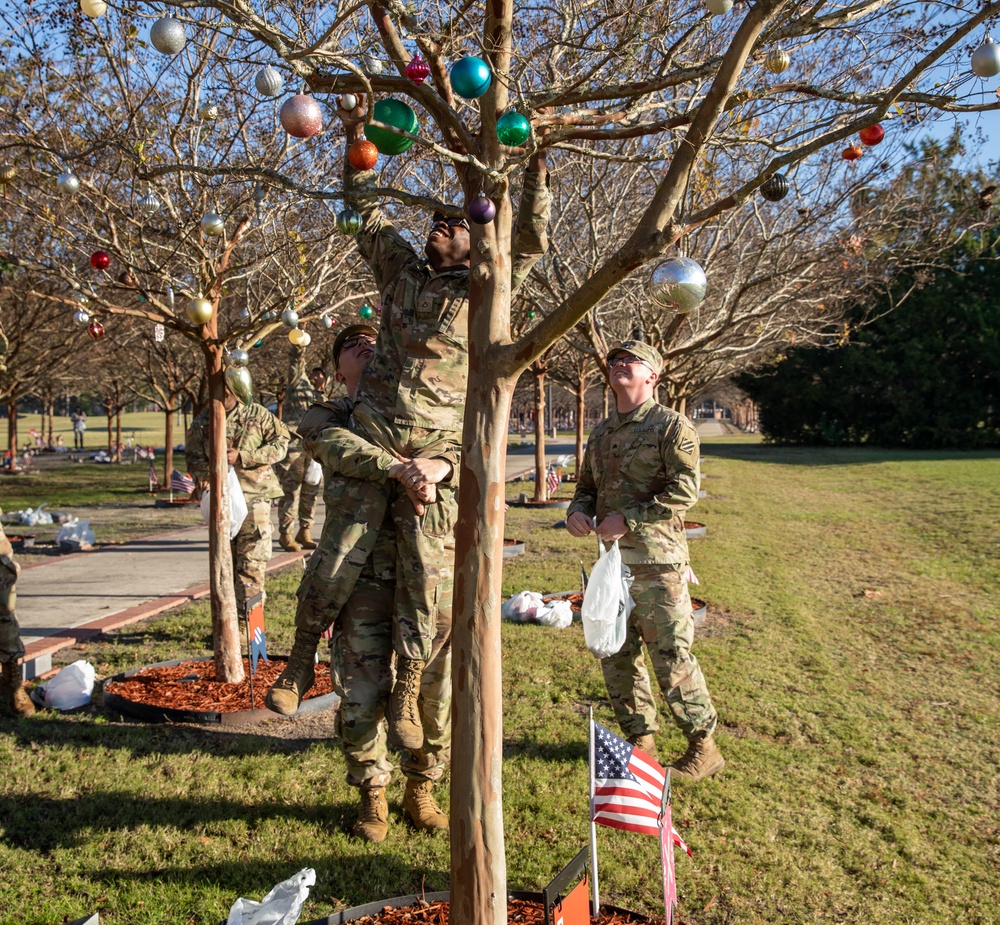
628 787
552 480
183 483
153 480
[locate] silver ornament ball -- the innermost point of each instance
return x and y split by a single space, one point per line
238 357
149 203
167 35
678 283
371 65
348 102
350 221
290 317
80 316
327 322
268 81
986 59
208 111
213 224
68 183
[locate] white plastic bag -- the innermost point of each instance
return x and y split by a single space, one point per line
557 614
313 474
75 532
521 607
237 504
282 906
70 688
607 603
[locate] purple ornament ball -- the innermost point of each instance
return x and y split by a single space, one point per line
481 210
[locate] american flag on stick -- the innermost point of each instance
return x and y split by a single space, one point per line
552 480
153 480
183 483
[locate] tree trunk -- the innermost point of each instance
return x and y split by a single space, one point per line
118 426
111 435
541 488
581 414
50 405
168 449
12 427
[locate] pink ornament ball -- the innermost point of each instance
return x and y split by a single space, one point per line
301 116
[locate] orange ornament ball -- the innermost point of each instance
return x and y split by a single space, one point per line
362 155
872 135
852 153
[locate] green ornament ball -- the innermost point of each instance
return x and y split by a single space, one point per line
397 114
367 312
470 77
513 129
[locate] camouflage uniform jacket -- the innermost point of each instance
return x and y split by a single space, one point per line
299 397
644 466
417 376
261 439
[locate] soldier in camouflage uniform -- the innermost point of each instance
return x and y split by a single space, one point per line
13 698
639 476
361 645
256 440
411 402
299 494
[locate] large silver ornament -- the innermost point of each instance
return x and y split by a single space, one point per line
238 357
149 203
208 111
213 224
167 35
986 59
80 316
68 183
268 81
350 221
327 321
678 283
719 7
290 317
240 383
370 65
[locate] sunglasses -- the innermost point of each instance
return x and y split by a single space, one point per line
626 360
451 221
356 340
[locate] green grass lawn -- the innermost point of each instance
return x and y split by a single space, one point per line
852 650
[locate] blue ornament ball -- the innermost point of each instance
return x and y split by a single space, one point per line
470 77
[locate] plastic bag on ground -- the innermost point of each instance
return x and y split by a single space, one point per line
607 603
282 906
557 614
72 687
75 533
521 607
237 504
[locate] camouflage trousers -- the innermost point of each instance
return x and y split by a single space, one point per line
299 498
662 619
348 538
361 669
11 647
252 551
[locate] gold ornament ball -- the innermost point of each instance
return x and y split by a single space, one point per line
213 224
299 338
199 310
7 173
95 9
208 111
777 60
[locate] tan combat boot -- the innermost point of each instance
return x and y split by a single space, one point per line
646 742
403 714
373 820
304 538
286 542
702 759
287 692
423 810
13 697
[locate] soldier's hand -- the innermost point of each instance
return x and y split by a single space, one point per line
418 499
232 456
612 528
420 472
578 524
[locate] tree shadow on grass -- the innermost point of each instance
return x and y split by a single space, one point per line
832 456
528 746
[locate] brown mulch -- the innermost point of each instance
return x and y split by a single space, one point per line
575 600
522 911
199 691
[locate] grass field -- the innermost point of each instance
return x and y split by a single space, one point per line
852 648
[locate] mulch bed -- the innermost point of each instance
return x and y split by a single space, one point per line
191 685
522 911
575 600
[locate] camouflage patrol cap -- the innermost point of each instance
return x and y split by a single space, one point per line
638 349
350 331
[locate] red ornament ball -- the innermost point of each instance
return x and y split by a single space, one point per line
872 135
301 116
96 330
852 153
362 155
100 260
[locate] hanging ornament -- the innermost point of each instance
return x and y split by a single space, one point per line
159 333
299 338
238 357
513 129
986 59
199 310
852 153
269 81
366 312
362 155
397 114
301 116
208 111
95 9
371 66
68 183
719 7
348 102
378 308
290 317
678 283
80 316
99 260
244 315
777 60
470 77
258 344
7 174
167 35
350 221
417 69
531 316
96 330
328 322
213 224
482 210
81 298
149 203
240 383
872 135
774 188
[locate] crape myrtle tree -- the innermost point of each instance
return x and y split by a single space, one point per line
166 193
687 83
